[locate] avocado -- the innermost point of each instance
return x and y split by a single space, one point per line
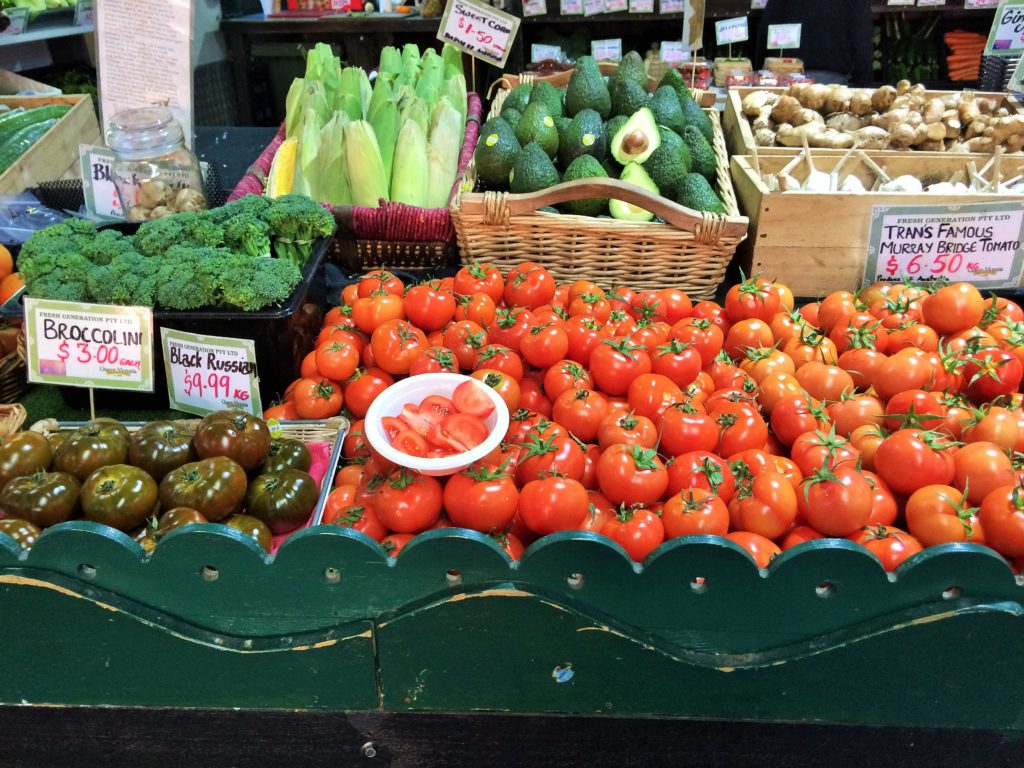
704 160
695 193
669 163
635 174
496 151
613 125
547 93
585 167
518 97
562 125
632 68
694 115
587 89
512 117
666 109
627 97
547 209
673 78
537 125
532 170
637 139
584 136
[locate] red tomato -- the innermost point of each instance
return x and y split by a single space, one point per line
911 459
706 337
544 345
282 412
372 311
629 474
834 308
979 469
363 387
506 387
836 502
798 535
752 332
674 305
499 358
408 502
553 504
481 498
361 518
342 496
469 398
627 428
465 339
458 432
855 411
709 310
638 531
429 308
685 429
890 545
651 394
753 298
614 365
396 344
393 543
478 307
581 411
533 398
593 305
914 408
410 443
884 509
995 425
510 326
953 308
553 454
793 415
476 277
767 505
695 512
317 399
529 285
378 280
435 408
812 450
1002 515
862 365
434 360
701 469
991 373
762 550
565 375
824 382
938 514
740 427
678 361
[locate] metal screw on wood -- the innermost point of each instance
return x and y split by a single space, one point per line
369 749
87 571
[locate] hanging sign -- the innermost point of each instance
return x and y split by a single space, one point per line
900 2
615 6
693 24
1007 33
479 29
84 13
976 4
641 6
210 373
756 5
782 36
978 243
671 6
729 31
535 7
922 3
89 345
571 7
606 50
593 7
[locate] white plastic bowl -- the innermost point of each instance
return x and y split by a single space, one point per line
413 390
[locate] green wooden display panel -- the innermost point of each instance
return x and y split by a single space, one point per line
578 598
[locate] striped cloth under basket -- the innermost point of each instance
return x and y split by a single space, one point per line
393 236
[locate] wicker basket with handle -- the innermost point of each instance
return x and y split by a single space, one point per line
690 251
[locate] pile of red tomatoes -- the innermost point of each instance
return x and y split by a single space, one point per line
891 417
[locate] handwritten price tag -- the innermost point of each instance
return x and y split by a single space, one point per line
614 6
535 7
540 52
758 4
641 6
979 244
781 36
606 50
593 7
479 29
89 345
729 31
671 6
974 4
900 2
571 7
1007 33
210 373
19 18
84 13
921 3
673 51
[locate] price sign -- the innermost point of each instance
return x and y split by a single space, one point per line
673 50
210 373
606 50
671 6
535 7
89 345
728 31
1016 82
921 3
641 6
900 2
19 18
84 13
781 36
1007 33
101 196
571 7
593 7
479 29
614 6
541 52
974 4
979 244
757 5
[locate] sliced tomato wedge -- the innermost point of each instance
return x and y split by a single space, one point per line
410 443
436 408
417 422
459 432
392 425
469 398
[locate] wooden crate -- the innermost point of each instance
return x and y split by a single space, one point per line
12 83
816 243
740 138
55 155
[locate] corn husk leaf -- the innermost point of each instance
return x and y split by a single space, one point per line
355 89
452 57
385 128
333 181
456 93
390 61
410 176
294 106
416 109
307 172
431 81
382 92
443 153
365 167
410 53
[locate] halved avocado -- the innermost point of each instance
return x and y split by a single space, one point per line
635 174
637 139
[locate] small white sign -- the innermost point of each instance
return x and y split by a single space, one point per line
535 7
84 13
973 4
593 7
1016 82
673 51
479 29
210 373
756 5
671 6
606 50
1007 34
641 6
616 6
101 197
541 52
728 31
571 7
782 36
922 3
19 18
900 2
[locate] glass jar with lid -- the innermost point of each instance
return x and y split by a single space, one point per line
155 173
